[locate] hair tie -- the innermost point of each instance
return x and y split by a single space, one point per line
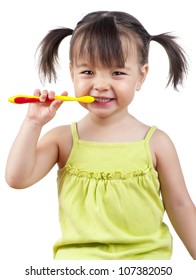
151 37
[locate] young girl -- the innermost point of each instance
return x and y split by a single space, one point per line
116 175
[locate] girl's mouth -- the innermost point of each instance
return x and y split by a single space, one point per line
103 99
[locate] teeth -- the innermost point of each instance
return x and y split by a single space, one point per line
103 100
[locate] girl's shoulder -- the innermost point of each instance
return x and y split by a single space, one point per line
58 134
161 138
59 139
162 147
60 130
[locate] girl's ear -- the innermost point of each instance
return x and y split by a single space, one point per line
142 76
71 71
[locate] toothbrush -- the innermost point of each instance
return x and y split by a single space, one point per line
22 99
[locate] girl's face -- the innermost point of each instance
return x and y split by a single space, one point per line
113 88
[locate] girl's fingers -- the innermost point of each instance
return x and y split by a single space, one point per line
47 94
65 93
51 94
37 92
43 96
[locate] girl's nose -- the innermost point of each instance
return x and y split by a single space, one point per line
101 83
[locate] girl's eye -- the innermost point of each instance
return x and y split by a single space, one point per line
118 73
87 72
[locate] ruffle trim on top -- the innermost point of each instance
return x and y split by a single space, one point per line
71 170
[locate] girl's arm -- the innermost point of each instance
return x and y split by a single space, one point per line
28 160
177 202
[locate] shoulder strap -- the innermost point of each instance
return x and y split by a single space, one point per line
74 131
147 146
150 133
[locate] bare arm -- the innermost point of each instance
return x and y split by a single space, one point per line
177 202
30 160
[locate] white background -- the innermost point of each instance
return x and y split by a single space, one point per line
29 218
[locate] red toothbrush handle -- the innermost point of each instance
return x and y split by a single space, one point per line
22 100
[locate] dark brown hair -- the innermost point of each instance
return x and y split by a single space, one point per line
99 35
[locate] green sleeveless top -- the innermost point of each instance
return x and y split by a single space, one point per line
109 203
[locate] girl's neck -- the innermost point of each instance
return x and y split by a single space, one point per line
115 129
110 121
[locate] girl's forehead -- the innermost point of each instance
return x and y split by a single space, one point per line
86 61
106 54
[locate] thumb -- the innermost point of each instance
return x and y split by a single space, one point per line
55 105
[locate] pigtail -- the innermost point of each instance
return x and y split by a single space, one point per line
48 57
177 61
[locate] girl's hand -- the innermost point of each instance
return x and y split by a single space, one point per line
42 112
